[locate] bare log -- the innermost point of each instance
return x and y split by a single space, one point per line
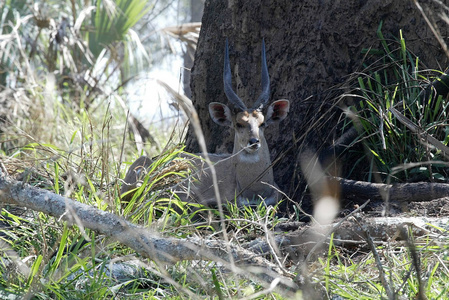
403 192
142 240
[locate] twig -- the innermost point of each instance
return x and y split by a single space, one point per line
416 263
333 228
382 276
272 246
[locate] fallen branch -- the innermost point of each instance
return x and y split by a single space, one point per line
146 243
353 231
360 191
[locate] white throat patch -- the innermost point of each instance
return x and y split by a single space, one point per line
249 158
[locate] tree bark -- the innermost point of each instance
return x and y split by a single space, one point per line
360 191
312 46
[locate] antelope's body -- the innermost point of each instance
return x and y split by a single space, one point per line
246 175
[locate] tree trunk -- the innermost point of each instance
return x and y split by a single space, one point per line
312 46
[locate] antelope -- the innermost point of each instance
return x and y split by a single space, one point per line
246 175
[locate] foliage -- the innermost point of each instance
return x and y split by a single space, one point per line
113 22
62 75
352 275
65 39
73 263
395 81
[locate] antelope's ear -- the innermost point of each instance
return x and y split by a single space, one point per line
277 111
220 113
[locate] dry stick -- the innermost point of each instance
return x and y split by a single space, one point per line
427 138
121 151
382 276
137 137
187 106
350 233
416 263
333 228
272 244
140 239
405 278
434 30
289 199
330 231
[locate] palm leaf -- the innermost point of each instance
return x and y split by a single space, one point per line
112 22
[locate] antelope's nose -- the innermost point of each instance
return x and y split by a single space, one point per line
253 143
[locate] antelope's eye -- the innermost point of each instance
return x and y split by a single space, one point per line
239 125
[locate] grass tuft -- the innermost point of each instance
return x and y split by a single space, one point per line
392 79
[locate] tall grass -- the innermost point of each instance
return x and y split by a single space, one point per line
66 135
393 79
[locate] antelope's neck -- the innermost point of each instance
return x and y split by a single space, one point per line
249 168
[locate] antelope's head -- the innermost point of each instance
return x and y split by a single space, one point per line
249 123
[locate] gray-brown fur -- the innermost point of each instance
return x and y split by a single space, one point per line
245 175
